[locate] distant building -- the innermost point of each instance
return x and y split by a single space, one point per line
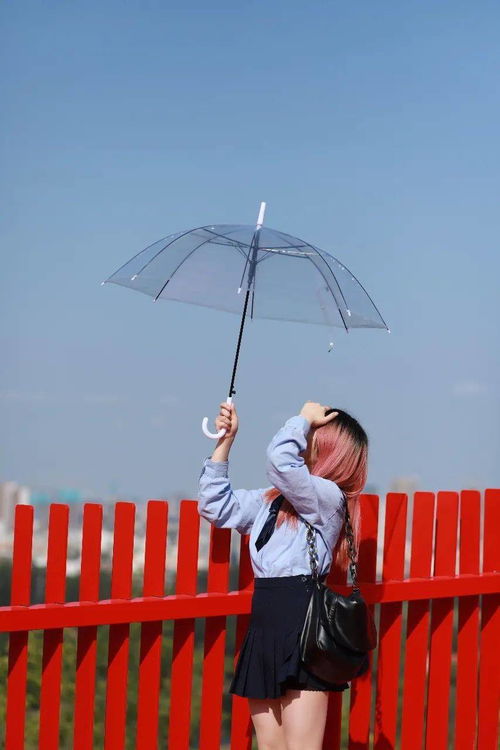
11 494
408 484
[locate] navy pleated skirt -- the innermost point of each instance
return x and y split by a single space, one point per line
269 661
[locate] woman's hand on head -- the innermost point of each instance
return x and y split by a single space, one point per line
315 413
228 420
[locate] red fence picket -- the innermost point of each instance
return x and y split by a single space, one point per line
386 701
86 654
183 640
468 624
438 627
18 643
214 645
118 644
55 591
241 728
151 632
489 658
417 625
441 625
361 689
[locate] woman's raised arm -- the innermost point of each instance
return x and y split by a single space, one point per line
314 498
223 506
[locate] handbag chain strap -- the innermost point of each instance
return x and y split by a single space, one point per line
313 551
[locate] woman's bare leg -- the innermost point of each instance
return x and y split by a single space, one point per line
266 718
303 715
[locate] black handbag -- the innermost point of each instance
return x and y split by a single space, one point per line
338 631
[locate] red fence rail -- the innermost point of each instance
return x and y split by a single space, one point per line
434 680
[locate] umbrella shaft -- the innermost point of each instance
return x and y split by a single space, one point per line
242 325
251 275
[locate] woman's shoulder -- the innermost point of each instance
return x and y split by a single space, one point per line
330 490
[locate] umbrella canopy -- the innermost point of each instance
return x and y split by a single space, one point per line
284 277
293 280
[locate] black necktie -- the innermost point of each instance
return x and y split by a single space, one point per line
268 528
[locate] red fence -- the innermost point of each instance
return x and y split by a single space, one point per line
434 680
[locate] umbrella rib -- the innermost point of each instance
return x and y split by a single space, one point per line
136 256
373 303
247 258
224 236
320 253
163 248
244 268
230 244
269 252
183 261
180 264
331 290
308 244
245 244
357 281
333 274
235 243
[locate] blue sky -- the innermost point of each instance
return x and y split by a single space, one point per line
371 130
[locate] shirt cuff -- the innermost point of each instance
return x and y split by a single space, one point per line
215 468
299 422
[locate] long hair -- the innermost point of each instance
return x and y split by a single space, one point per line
342 456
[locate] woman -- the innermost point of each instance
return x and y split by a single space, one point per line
315 463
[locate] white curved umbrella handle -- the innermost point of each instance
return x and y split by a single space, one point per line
214 435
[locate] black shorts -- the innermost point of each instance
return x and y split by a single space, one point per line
269 660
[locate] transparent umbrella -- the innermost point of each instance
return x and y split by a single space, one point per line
250 270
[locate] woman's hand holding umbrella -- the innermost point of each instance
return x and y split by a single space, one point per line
227 424
227 420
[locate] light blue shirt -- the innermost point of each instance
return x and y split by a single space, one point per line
317 500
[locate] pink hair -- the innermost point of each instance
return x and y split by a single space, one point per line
342 456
